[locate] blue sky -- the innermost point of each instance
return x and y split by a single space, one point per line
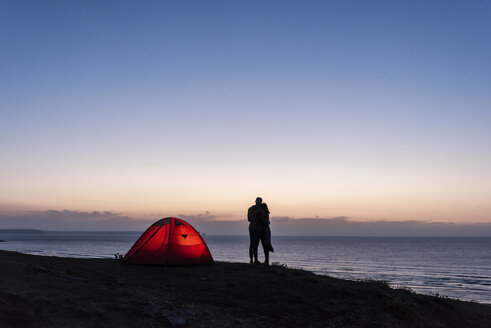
371 110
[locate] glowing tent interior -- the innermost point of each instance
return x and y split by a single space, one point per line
169 241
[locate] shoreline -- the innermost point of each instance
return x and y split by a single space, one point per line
278 264
434 271
40 291
434 267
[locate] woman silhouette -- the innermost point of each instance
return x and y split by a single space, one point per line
266 233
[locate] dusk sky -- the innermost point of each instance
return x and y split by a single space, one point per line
366 110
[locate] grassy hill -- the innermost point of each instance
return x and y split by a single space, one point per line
37 291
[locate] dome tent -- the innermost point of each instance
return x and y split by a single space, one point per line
169 241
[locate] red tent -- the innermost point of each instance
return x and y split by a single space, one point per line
170 241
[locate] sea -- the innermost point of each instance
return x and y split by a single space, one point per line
457 268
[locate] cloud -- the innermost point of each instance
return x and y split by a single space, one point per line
111 221
343 226
199 217
71 220
215 225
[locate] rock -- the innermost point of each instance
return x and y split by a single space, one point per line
176 320
190 312
238 322
167 313
39 268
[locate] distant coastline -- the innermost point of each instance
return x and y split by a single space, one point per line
22 231
206 234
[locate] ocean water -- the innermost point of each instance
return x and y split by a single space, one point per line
453 267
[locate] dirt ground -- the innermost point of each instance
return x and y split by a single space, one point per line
39 291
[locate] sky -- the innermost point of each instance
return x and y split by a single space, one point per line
370 111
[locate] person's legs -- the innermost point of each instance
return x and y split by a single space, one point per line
256 236
251 245
267 236
266 253
265 242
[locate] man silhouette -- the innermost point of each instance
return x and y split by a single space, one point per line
255 216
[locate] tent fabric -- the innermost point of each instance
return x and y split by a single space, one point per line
169 241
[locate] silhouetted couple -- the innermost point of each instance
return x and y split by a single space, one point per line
258 217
